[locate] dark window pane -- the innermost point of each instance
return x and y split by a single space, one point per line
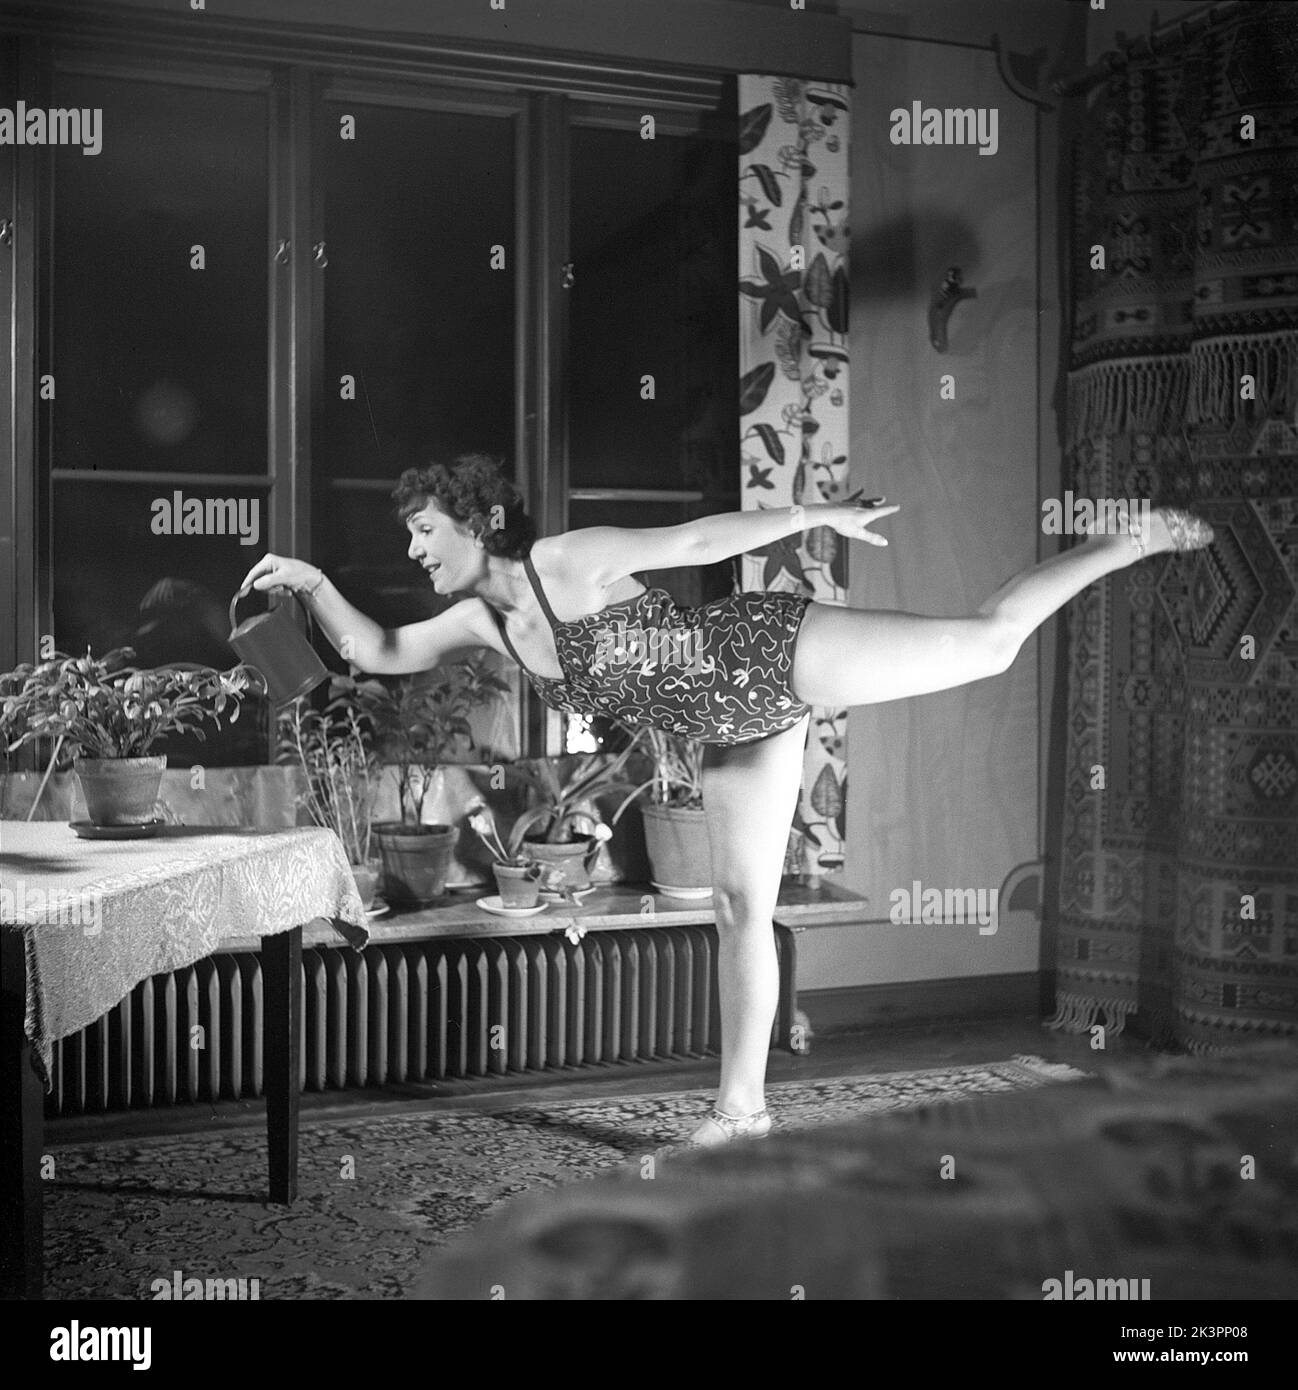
119 583
159 365
362 544
414 313
423 327
653 246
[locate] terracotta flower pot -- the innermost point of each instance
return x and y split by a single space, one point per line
120 791
573 860
519 884
676 838
416 859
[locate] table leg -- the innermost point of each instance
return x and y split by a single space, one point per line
22 1102
281 957
788 984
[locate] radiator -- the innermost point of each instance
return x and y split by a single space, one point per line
411 1012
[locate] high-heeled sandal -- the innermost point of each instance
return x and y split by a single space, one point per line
727 1127
1188 532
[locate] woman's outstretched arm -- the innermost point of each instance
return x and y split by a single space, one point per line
607 553
379 651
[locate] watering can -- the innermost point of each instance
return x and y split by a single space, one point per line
274 645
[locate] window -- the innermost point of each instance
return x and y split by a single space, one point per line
419 329
157 351
652 246
276 289
653 335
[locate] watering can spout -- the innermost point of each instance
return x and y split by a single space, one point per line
273 644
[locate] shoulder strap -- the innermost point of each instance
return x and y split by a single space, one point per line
504 632
538 591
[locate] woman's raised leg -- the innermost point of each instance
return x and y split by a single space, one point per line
854 656
749 794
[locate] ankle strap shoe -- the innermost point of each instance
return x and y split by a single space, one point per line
1188 532
720 1128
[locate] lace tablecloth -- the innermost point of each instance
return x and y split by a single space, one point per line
98 917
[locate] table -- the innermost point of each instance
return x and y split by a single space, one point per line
83 922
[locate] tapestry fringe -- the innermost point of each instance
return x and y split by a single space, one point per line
1078 1013
1133 396
1150 395
1219 363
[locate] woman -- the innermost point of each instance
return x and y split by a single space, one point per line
758 662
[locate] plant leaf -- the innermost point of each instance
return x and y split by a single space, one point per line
827 794
840 299
770 267
771 439
770 185
777 563
754 385
822 545
838 567
752 127
819 284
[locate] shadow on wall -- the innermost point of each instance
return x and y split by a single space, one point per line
903 259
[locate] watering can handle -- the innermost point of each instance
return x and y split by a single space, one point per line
242 592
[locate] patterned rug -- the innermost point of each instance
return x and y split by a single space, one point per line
1169 1178
1178 893
379 1196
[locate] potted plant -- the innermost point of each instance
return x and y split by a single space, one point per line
419 722
333 748
518 875
106 714
562 829
675 828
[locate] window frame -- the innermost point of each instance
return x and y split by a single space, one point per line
545 95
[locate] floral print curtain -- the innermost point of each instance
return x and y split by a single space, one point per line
793 363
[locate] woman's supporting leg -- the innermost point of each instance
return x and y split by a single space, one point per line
854 656
749 794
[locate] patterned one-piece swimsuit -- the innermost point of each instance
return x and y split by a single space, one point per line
718 674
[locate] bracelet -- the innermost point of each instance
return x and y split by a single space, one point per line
304 592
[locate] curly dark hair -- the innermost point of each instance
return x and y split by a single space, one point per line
472 490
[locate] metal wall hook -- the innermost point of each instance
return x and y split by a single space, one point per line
281 252
947 295
318 251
